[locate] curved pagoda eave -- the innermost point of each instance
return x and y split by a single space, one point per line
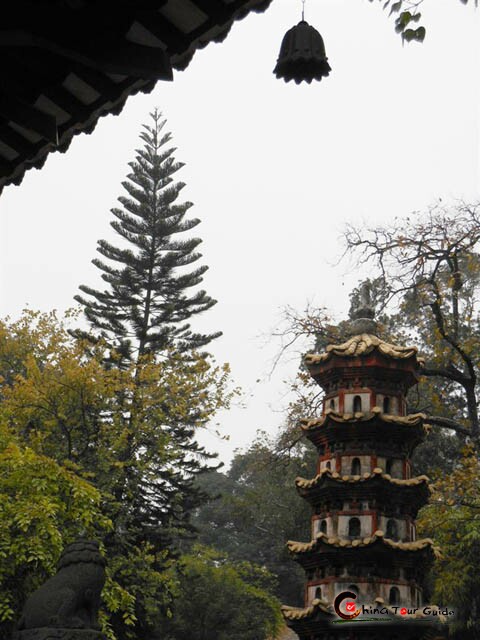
385 362
319 615
331 485
362 345
318 609
409 430
323 548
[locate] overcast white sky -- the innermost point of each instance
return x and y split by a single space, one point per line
275 171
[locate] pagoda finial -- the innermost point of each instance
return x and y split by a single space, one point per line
362 306
362 311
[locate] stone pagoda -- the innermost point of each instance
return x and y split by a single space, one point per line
364 499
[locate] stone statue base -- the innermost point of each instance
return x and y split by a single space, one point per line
48 633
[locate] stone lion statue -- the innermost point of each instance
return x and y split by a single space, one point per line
70 598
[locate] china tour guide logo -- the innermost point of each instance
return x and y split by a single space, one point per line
350 607
346 609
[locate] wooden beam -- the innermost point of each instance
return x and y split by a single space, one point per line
29 117
217 11
135 60
175 40
92 36
102 84
232 7
15 140
6 168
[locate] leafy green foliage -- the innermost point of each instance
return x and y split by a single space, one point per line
129 431
257 510
407 16
222 600
453 519
150 585
43 506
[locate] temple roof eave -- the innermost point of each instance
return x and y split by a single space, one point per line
360 345
298 613
378 538
410 420
66 64
327 475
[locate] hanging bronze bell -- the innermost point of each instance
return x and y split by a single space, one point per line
302 55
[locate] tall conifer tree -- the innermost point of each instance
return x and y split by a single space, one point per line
146 307
143 315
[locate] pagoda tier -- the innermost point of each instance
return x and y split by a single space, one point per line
364 500
371 567
374 429
370 494
323 552
317 622
386 367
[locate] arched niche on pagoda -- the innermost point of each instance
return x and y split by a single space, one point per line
395 467
389 404
356 464
398 529
354 526
325 524
360 525
357 402
350 579
332 403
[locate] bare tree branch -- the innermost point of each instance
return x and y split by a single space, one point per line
447 372
449 424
